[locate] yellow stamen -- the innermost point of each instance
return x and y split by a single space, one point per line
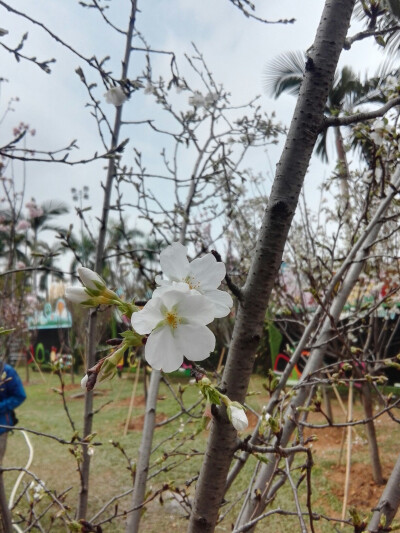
172 319
190 280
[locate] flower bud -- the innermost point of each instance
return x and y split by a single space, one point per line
237 416
91 279
84 381
76 294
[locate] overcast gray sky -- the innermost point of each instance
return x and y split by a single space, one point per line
236 50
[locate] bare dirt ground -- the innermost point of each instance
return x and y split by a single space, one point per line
331 445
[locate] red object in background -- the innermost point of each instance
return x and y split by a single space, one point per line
29 354
282 360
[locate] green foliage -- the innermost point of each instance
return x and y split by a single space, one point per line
274 339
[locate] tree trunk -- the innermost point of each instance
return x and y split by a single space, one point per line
255 505
142 467
327 402
305 126
371 435
91 345
389 502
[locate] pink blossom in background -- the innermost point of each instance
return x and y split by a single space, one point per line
34 210
23 225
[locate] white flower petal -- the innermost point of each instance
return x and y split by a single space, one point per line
172 296
88 277
146 320
377 137
174 262
196 308
207 271
379 124
173 285
115 96
195 341
161 350
222 302
160 281
76 294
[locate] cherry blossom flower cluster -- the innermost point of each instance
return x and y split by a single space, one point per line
22 226
22 127
199 100
186 301
34 211
36 491
379 127
174 321
172 324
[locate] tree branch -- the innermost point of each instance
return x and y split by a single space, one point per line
360 117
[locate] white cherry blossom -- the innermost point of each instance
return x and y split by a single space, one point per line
197 99
203 275
377 134
176 321
115 96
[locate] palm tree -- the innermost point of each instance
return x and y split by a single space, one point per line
285 74
124 243
84 250
13 244
382 16
41 219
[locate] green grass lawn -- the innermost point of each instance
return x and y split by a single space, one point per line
175 460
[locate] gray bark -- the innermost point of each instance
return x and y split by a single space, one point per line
292 167
143 460
91 344
254 505
371 435
389 502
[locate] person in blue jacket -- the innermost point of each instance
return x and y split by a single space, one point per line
12 394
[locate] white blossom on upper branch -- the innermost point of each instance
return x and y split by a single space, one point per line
115 96
203 274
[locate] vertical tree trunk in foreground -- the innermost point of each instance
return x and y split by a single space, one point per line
91 344
291 170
